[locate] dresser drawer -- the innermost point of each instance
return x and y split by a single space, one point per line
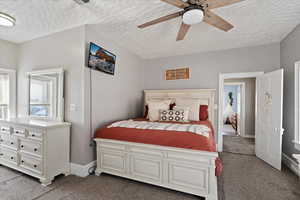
20 132
9 141
9 156
31 147
31 163
5 129
35 135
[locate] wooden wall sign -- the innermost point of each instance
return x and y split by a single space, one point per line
177 74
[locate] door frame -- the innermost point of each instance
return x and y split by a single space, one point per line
222 77
296 140
241 121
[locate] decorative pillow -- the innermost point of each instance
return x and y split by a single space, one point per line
168 101
155 107
172 115
203 116
186 111
146 111
172 105
193 105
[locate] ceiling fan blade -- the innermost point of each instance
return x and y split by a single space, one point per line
216 21
221 3
177 3
161 19
182 31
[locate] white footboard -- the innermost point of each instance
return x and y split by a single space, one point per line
184 170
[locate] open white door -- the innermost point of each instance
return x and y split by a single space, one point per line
269 118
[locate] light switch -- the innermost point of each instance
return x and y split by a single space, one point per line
73 107
216 107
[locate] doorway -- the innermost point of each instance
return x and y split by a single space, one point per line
237 111
239 115
268 114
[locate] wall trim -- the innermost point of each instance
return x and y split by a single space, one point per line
81 170
297 102
291 164
249 136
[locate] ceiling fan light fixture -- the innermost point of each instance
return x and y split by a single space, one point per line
193 16
7 20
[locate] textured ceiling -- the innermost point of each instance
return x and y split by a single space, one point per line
256 22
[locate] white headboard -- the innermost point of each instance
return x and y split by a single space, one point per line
206 97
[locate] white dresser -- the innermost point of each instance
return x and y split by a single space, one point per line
38 148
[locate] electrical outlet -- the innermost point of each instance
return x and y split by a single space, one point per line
82 1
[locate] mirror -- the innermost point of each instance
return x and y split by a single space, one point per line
46 94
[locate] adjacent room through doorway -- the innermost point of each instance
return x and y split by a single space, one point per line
232 108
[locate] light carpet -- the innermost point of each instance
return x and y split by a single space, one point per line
244 177
237 144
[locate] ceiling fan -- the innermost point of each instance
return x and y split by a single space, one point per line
194 12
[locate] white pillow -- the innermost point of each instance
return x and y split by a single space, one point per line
167 101
186 112
193 105
154 109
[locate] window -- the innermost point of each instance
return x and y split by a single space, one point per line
4 95
43 96
7 93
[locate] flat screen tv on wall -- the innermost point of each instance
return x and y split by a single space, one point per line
101 59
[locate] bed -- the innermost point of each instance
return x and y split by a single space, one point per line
180 161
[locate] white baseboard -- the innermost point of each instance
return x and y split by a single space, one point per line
249 136
82 170
290 163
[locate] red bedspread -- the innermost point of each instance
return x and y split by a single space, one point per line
177 139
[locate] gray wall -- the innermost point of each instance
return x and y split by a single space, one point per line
206 67
113 97
8 55
249 103
290 53
64 49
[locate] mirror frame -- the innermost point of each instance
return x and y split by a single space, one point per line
60 96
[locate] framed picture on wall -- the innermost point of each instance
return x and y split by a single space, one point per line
101 59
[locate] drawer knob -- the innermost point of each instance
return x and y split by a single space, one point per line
33 135
11 143
34 166
17 132
22 161
1 140
1 154
22 146
35 149
11 158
